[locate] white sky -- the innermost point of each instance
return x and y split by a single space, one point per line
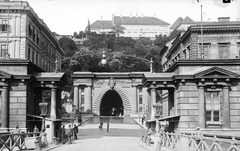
67 16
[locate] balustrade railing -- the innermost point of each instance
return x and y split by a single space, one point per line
199 142
12 142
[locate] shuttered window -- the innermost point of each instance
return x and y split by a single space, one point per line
223 51
3 50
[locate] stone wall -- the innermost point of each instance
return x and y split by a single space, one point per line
188 106
17 98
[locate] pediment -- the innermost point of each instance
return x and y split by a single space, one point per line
5 75
216 72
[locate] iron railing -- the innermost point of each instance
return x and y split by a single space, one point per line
12 142
199 142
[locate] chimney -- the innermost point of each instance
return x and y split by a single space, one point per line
223 19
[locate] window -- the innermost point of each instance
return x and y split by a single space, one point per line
238 48
33 56
4 26
3 50
212 106
223 51
140 99
29 53
36 58
82 89
205 53
82 99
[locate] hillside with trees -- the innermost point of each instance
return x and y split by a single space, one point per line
123 54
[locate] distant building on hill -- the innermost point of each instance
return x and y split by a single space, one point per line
135 26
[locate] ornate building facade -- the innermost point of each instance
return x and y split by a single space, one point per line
200 82
28 51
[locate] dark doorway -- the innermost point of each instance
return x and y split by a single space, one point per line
111 104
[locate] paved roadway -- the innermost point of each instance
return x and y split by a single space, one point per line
122 136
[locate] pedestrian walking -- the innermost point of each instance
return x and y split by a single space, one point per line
75 131
107 125
143 118
101 125
70 134
63 134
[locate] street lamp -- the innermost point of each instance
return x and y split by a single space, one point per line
157 113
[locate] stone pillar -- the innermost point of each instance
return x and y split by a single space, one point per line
53 103
153 100
14 25
170 101
76 97
18 26
134 99
88 98
175 101
201 108
79 98
226 108
5 107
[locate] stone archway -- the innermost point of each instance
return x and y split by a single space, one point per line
111 104
120 92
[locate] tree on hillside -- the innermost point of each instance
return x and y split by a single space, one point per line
68 46
118 29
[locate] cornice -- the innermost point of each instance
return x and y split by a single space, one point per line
203 62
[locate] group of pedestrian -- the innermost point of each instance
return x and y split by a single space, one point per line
101 125
67 135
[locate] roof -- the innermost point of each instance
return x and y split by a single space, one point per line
176 23
104 24
188 20
219 23
138 21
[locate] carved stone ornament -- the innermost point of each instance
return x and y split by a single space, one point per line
112 83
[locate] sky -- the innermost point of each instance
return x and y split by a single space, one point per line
68 16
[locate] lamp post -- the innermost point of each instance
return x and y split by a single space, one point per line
157 113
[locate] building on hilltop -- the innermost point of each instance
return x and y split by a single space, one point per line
200 83
28 51
135 27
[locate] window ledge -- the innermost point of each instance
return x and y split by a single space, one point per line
214 124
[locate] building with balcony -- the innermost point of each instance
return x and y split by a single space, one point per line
200 83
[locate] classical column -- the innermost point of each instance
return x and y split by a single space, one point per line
88 98
53 103
175 101
201 108
153 100
80 98
76 98
5 107
170 101
226 108
14 25
134 99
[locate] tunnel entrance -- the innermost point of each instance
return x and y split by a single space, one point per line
111 104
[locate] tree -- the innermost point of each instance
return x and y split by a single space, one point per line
68 45
118 29
75 34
